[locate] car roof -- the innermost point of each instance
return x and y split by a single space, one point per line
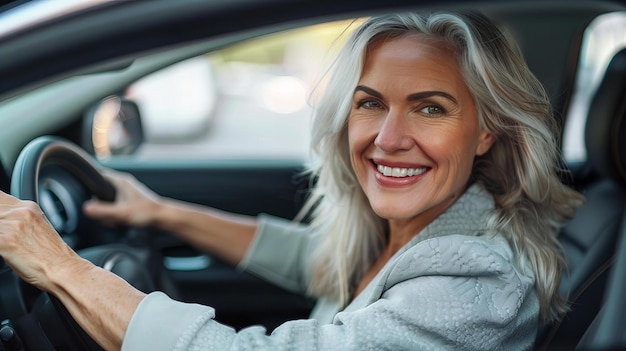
84 37
22 15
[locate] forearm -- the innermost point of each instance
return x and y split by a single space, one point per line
224 234
100 302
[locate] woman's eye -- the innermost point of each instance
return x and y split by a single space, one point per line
370 104
433 110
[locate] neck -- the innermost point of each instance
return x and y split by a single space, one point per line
402 230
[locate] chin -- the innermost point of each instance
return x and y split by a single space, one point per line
393 212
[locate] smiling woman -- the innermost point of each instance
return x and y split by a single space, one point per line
414 118
434 212
492 129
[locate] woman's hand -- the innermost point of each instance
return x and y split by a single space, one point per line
30 245
224 234
135 205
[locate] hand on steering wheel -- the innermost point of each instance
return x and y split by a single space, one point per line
29 244
135 205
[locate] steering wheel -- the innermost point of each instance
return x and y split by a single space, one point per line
60 176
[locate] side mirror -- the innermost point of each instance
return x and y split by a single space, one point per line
112 127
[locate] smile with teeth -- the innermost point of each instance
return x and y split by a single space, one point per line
400 172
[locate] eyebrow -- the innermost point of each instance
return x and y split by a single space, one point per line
412 97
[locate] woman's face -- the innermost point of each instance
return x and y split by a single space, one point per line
413 129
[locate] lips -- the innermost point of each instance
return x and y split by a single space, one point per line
397 174
400 172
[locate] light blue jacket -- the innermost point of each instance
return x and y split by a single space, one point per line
451 287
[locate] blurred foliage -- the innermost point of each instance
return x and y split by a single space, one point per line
271 49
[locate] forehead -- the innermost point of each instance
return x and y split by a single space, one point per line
412 41
410 52
413 62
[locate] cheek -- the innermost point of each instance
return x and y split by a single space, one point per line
355 144
439 140
361 133
466 153
463 163
352 133
453 146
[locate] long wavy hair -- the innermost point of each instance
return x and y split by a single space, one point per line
520 170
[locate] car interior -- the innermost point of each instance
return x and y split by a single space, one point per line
62 70
601 180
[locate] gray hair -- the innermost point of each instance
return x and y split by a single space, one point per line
520 170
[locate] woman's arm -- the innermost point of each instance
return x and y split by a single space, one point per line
224 234
101 302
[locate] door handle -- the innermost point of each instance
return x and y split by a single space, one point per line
187 263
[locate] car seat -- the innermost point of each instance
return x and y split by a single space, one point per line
607 330
589 238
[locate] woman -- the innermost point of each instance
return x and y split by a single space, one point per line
435 211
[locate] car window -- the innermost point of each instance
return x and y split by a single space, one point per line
251 100
602 39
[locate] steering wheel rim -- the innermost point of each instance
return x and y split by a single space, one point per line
49 150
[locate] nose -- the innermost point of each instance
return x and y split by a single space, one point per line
394 133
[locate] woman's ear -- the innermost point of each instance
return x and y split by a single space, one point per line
485 141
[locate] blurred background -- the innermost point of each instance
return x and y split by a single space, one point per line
254 100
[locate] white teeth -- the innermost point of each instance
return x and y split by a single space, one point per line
400 172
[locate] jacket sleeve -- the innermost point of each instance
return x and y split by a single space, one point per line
279 253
